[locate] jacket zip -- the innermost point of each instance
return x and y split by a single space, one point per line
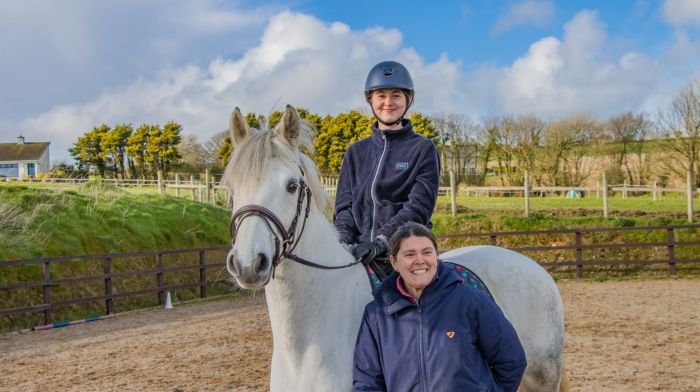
373 190
421 352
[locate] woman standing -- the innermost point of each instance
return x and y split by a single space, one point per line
389 178
426 331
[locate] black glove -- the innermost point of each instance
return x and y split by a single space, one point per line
369 250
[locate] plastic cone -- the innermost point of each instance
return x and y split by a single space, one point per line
168 302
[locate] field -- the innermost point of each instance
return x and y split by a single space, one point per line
620 336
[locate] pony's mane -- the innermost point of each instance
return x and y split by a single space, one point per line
249 159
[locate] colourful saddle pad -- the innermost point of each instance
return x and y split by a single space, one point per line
469 278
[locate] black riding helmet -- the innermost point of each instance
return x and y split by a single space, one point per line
390 74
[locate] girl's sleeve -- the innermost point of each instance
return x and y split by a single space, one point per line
342 218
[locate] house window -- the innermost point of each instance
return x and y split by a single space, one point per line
9 170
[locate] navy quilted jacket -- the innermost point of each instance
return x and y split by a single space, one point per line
386 180
455 339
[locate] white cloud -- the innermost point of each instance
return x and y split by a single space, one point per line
91 46
322 66
537 13
578 73
681 12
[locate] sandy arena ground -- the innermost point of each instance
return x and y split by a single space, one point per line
620 336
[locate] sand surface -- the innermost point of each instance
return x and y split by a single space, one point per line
620 336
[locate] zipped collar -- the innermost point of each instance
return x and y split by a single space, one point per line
392 300
407 129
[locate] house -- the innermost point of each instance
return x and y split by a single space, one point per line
23 160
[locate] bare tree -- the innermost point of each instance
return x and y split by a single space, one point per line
680 127
513 143
627 134
565 145
193 154
457 135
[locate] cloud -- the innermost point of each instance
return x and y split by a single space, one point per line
301 60
581 72
537 13
681 12
90 46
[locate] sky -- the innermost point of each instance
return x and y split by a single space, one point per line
68 66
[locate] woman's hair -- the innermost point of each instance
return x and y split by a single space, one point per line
409 229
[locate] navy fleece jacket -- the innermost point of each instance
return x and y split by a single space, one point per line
386 180
454 339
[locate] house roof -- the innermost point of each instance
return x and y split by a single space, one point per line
22 152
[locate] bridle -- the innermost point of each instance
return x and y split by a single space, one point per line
289 239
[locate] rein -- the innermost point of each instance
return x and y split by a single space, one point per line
289 239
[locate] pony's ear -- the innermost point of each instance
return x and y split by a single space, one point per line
290 124
239 127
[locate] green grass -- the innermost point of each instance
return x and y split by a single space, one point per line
669 205
97 218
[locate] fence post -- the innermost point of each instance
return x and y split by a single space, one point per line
160 181
177 184
48 316
202 275
107 266
192 185
207 185
453 193
671 251
605 194
159 277
654 193
690 197
527 193
624 189
579 256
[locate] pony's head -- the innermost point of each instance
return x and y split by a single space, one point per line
267 177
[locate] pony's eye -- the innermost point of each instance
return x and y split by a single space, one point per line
292 186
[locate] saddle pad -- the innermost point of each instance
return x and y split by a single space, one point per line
469 278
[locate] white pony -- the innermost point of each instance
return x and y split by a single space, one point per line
284 242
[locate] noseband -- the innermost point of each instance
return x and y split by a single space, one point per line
288 241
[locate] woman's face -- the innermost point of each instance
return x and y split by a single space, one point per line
388 104
416 262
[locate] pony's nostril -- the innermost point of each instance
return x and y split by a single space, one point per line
231 265
263 263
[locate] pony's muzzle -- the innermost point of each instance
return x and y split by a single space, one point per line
253 274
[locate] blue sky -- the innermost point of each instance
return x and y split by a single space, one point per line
68 66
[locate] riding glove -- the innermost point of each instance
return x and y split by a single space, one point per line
369 250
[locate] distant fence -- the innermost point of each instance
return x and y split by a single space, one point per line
571 246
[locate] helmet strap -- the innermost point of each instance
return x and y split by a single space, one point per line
409 102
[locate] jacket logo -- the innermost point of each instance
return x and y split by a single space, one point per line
450 334
401 165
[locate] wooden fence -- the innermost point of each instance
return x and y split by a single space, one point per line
578 244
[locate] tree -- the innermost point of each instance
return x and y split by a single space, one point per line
335 135
161 148
456 142
193 156
113 145
87 150
565 145
136 149
627 134
423 125
680 127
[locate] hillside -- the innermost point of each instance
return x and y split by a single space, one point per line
97 218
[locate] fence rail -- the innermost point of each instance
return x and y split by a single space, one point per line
578 245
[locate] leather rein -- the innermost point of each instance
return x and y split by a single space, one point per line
287 239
